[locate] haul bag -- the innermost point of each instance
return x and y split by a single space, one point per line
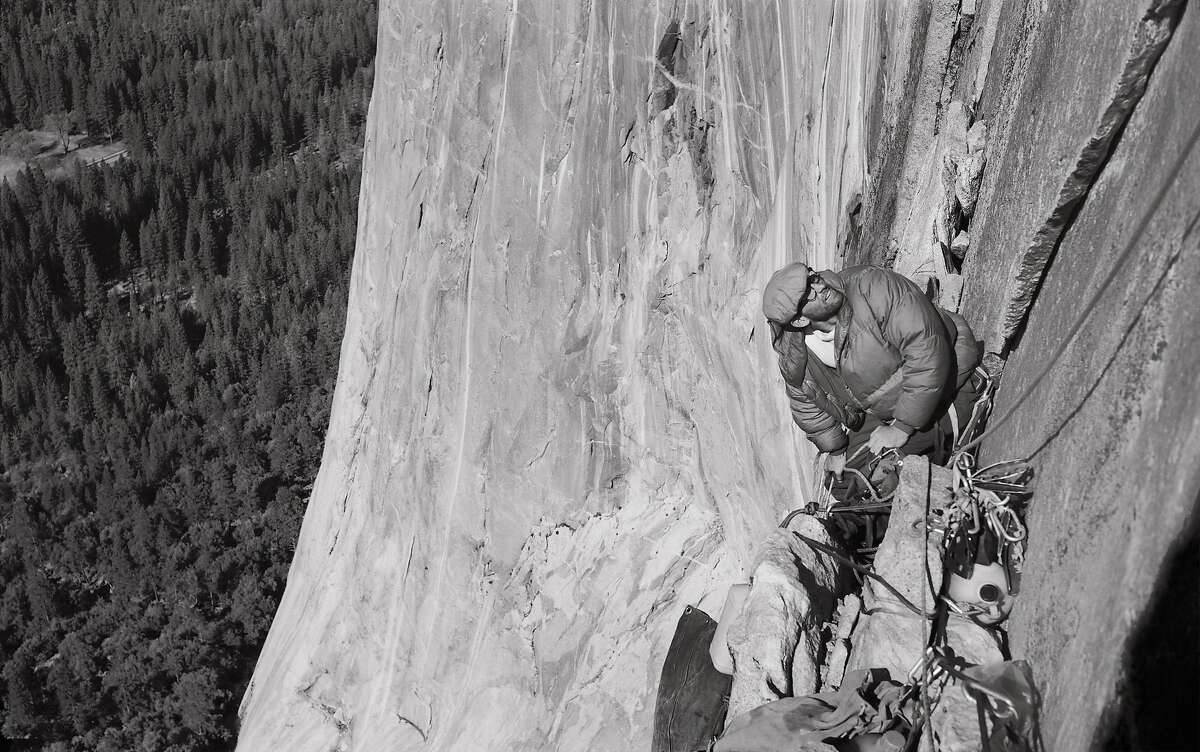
693 697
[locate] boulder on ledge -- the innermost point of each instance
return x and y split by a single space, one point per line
778 640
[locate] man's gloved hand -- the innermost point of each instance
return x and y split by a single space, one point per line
836 464
885 438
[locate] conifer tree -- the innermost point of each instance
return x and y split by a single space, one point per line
163 420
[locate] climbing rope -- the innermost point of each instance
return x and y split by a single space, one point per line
866 571
826 503
980 411
927 638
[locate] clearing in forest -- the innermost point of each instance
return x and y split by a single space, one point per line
20 147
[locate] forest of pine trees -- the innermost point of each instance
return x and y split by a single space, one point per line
169 333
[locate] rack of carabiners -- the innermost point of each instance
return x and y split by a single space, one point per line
983 541
983 548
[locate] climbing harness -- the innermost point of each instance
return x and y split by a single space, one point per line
827 504
870 498
864 504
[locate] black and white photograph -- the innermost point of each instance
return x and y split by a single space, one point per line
599 375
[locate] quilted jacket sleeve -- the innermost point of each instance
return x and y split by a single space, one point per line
822 429
967 350
911 323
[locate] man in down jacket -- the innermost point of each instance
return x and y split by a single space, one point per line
866 358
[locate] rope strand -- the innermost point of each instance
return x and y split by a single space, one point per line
1088 309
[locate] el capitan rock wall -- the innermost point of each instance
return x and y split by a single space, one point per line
557 421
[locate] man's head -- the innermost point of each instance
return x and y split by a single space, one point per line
797 298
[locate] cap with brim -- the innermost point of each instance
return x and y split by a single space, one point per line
784 291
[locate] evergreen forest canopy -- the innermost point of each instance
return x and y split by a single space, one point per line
169 333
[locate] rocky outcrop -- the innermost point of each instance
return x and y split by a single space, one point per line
778 640
848 613
889 634
1112 427
926 176
1070 80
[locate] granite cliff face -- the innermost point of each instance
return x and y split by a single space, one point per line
557 419
1088 194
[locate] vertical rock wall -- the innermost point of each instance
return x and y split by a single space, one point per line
1087 112
929 156
557 419
1114 427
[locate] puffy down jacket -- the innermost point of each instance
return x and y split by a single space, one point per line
899 357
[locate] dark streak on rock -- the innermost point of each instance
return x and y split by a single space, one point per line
479 175
328 711
958 46
415 727
696 133
663 91
1149 41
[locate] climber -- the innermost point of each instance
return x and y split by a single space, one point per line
870 365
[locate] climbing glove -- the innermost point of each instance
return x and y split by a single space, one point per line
885 438
836 464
